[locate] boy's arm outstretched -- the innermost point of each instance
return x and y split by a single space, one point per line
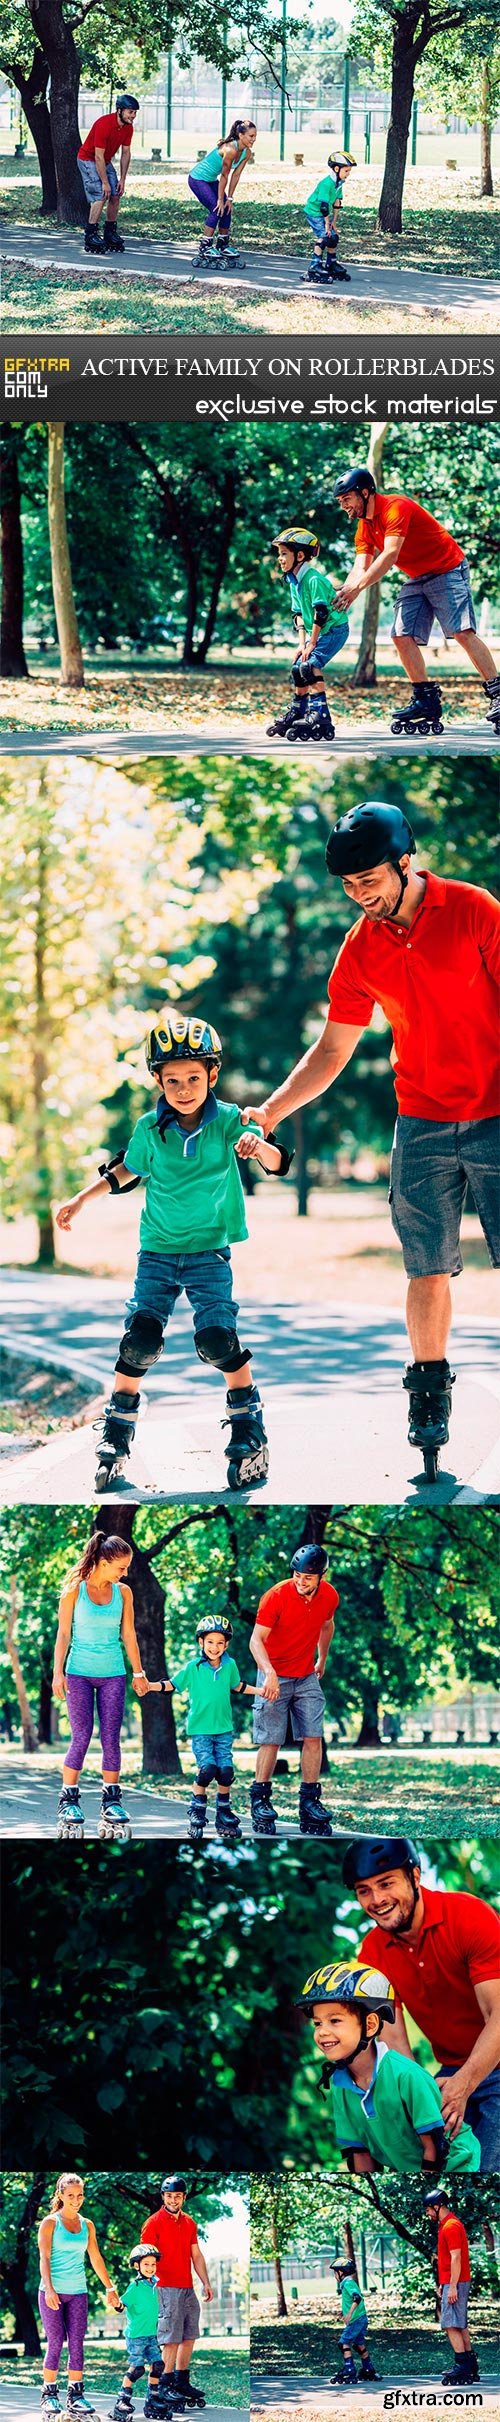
114 1178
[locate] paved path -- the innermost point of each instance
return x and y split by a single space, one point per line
30 1790
315 2395
265 273
355 740
331 1381
16 2400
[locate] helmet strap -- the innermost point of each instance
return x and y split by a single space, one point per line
403 881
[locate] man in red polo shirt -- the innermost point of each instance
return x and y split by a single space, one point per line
100 181
428 953
290 1643
454 2282
441 1952
176 2235
396 530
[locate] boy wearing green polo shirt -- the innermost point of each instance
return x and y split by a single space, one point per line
322 209
321 630
354 2332
143 2350
186 1151
386 2109
211 1679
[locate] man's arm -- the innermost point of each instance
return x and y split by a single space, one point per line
258 1650
199 2265
380 564
102 173
485 2056
124 165
313 1074
454 2275
324 1642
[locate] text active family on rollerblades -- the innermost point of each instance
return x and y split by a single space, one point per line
397 530
426 951
161 2307
186 1152
101 184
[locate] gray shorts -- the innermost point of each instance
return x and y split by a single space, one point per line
432 1164
454 2316
92 182
303 1700
447 599
178 2315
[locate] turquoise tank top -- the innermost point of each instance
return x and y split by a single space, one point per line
67 2260
209 169
96 1648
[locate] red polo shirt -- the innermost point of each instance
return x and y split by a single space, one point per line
107 135
294 1625
458 1947
451 2234
427 547
175 2239
437 983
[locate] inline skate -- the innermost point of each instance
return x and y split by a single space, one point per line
114 1820
70 1817
248 1452
118 1427
422 714
429 1386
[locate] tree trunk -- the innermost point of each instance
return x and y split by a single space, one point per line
13 2273
43 1185
369 1735
30 1740
13 666
55 38
365 669
390 210
350 2254
72 673
45 1698
160 1752
281 2303
33 94
486 124
228 522
301 1170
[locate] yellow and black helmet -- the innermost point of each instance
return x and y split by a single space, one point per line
175 1037
304 542
349 1981
341 159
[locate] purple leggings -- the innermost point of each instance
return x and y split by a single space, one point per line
110 1700
207 195
69 2322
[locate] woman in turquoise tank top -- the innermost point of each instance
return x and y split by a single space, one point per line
214 179
96 1624
65 2239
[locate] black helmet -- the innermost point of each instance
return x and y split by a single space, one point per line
366 1858
176 1037
342 2266
139 2253
214 1623
173 2185
369 836
355 482
126 101
435 2195
311 1559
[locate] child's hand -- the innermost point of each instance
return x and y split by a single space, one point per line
67 1213
247 1145
270 1686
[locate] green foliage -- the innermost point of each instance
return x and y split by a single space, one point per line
162 1980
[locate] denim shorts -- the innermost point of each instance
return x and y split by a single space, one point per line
302 1700
446 599
143 2350
212 1748
206 1279
179 2315
317 225
454 2316
432 1164
327 646
92 182
353 2332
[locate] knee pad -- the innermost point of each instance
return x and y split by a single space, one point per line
135 2371
224 1774
222 1348
331 241
308 675
297 678
207 1774
141 1344
156 2370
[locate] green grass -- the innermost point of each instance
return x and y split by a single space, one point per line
222 2373
447 1798
311 2345
459 238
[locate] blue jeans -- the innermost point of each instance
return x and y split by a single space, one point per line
143 2350
206 1279
327 646
213 1749
482 2111
354 2332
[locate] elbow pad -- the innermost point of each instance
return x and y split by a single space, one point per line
286 1157
107 1169
321 613
325 214
432 2169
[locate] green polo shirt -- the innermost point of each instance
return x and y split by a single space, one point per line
401 2104
306 586
329 191
194 1195
350 2293
209 1689
141 2306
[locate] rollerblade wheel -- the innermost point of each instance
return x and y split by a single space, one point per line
106 1475
235 1478
398 726
431 1463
